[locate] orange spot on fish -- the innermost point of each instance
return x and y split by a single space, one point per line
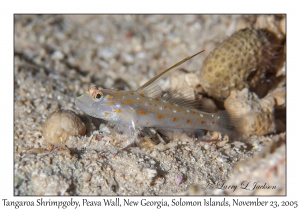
188 121
142 112
106 113
170 108
171 103
203 122
132 93
167 115
128 102
109 97
118 99
156 99
178 110
142 95
140 102
175 119
111 103
165 107
193 112
150 104
118 110
127 118
180 106
155 105
213 122
159 116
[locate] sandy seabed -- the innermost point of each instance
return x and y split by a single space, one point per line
58 57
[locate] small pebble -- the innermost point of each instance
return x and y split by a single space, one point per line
187 148
99 39
179 179
107 53
57 55
86 176
152 162
104 129
213 148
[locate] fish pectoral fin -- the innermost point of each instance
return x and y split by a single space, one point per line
165 133
156 136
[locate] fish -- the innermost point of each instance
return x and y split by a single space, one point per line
147 108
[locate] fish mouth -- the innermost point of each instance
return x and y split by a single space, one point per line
84 103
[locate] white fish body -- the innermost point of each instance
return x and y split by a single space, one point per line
148 108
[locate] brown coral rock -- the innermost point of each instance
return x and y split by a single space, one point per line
238 62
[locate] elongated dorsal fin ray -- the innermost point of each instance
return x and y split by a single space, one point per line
154 79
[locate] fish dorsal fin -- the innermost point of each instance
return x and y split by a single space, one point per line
182 97
186 97
152 91
148 86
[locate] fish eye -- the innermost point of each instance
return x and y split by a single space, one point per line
97 95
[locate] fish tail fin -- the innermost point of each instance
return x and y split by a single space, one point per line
229 125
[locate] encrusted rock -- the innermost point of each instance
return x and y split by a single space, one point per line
61 124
